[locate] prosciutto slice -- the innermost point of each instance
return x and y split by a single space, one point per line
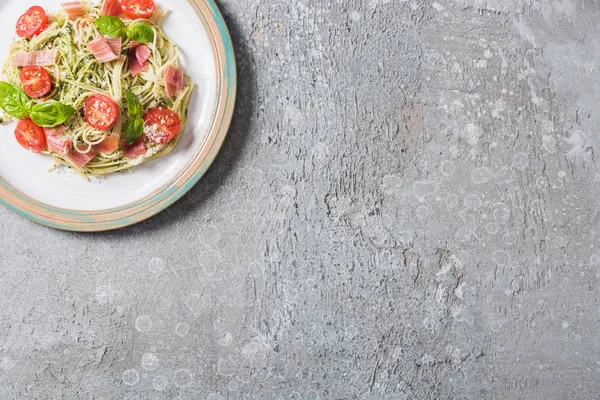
173 78
115 45
23 59
102 50
57 130
111 7
138 55
136 149
45 57
74 9
80 160
134 65
142 53
59 144
108 145
42 58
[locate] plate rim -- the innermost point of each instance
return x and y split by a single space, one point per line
182 182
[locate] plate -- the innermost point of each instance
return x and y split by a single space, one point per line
67 201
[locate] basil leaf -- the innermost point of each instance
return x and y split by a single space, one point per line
51 113
133 128
111 26
140 32
14 102
134 107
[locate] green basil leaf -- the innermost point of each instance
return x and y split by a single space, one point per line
51 113
134 107
140 32
111 26
14 102
133 128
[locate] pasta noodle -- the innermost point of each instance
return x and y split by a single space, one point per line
77 74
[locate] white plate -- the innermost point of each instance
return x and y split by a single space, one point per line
191 25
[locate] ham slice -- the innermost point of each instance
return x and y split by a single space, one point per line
138 55
111 7
134 65
59 144
115 45
142 53
45 58
23 59
173 78
101 50
80 160
136 149
108 145
42 58
74 9
57 130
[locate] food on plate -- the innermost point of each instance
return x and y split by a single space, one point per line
32 22
98 87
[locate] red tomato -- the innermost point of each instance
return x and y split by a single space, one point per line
36 81
135 9
30 136
161 125
100 112
32 23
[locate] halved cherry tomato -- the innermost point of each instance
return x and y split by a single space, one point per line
135 9
30 136
32 23
161 125
100 112
36 81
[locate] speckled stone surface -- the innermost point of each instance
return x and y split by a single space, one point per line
407 207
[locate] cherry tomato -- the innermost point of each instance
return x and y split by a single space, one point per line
135 9
32 23
100 112
36 81
30 136
161 125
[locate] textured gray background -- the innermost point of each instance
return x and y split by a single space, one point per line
406 208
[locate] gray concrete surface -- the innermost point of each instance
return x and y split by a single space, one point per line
406 208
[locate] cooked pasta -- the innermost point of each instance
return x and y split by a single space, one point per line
78 74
